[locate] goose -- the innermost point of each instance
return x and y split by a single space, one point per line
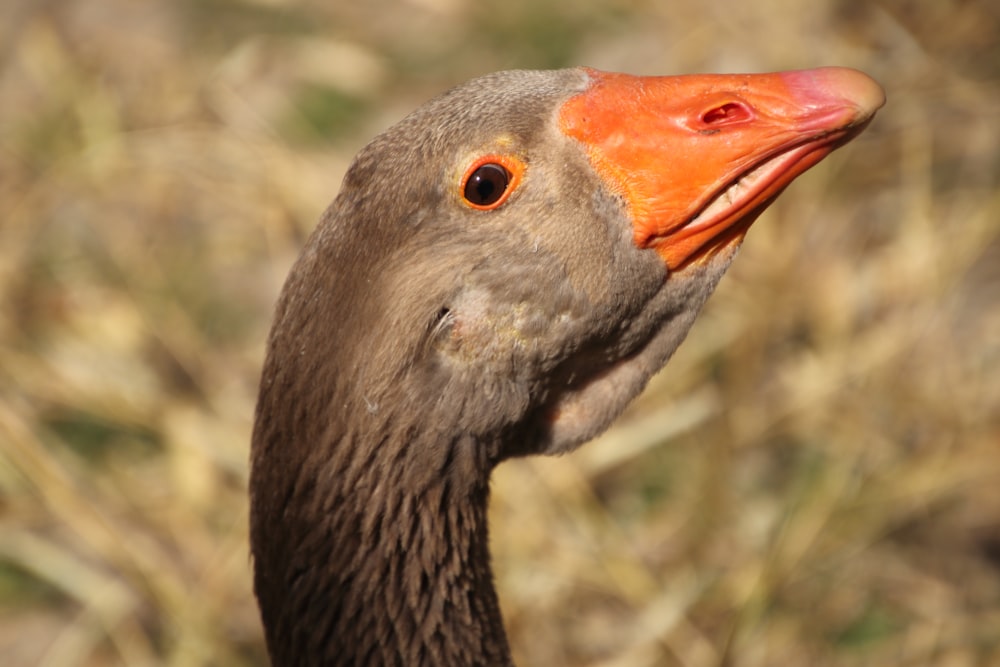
500 274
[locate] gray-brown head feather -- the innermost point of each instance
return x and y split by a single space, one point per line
417 343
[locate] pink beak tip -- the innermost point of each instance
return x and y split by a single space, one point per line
823 84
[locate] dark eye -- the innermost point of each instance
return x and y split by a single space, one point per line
490 179
486 185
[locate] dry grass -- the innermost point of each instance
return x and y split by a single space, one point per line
815 479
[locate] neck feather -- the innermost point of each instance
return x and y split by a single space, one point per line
362 559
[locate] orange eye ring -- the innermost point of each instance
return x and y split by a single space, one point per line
490 180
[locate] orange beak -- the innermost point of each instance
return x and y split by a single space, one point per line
697 158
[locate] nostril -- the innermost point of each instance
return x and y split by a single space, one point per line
723 114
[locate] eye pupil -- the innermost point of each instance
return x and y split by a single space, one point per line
486 184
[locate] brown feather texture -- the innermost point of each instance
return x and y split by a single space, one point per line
419 342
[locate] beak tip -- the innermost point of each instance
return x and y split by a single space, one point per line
824 84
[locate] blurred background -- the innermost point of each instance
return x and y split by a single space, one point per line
813 480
